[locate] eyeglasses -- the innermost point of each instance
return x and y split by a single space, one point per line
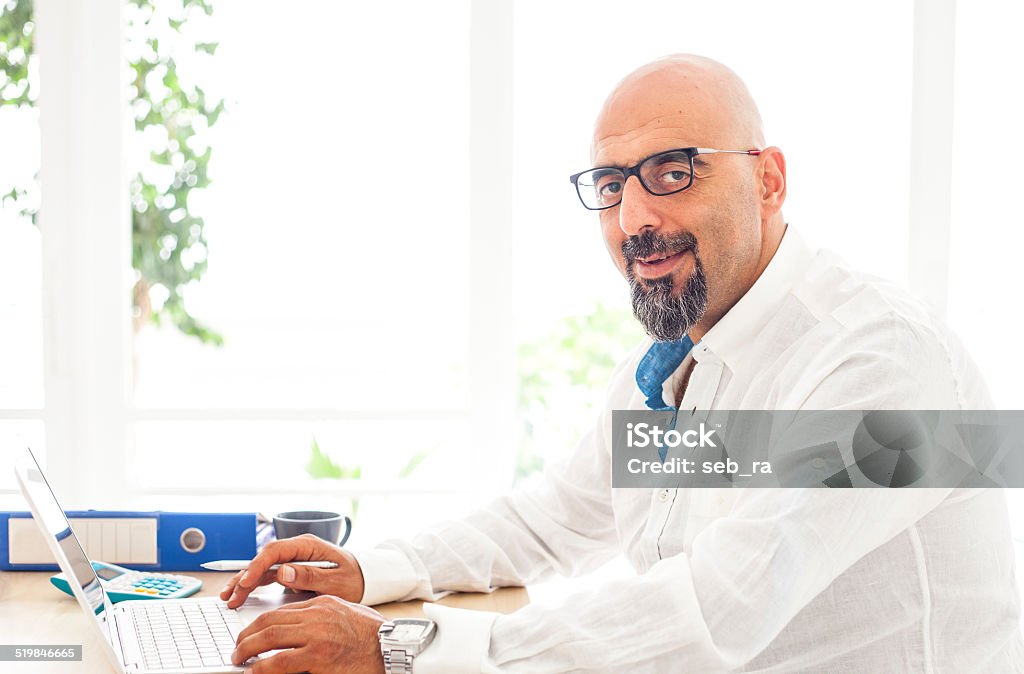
661 174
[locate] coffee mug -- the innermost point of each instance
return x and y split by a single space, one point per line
326 525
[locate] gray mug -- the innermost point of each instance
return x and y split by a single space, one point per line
326 525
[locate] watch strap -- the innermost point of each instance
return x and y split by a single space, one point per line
397 661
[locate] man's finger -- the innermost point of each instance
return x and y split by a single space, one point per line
241 592
272 553
302 548
297 605
230 586
271 637
296 577
269 619
285 662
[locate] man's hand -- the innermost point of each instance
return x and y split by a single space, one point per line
322 636
346 581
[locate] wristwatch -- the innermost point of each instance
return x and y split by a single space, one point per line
401 641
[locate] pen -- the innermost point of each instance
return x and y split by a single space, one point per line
242 564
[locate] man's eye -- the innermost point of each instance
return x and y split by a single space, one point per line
609 188
669 177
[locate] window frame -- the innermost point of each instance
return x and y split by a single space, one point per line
87 279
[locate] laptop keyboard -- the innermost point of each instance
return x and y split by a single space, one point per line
189 634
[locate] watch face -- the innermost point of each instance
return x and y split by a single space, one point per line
406 632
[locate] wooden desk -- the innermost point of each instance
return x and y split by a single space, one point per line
33 612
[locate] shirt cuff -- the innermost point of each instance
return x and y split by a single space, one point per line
388 575
462 642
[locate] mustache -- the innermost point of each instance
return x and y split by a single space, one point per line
648 243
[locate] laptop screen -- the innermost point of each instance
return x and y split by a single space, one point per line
75 564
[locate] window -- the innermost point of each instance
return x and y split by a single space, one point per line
21 355
338 231
368 271
987 231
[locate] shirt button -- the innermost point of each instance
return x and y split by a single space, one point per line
818 462
663 495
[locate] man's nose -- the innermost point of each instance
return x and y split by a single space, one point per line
637 210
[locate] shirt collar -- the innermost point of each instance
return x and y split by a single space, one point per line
729 337
657 365
733 331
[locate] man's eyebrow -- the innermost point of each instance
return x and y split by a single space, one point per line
664 157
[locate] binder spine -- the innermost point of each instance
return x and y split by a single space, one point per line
183 541
186 540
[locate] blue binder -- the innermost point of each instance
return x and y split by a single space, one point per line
182 541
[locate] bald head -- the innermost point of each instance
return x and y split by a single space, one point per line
683 95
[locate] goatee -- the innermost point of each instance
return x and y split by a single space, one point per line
665 317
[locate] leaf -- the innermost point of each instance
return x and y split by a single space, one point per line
213 115
208 47
573 360
413 463
13 195
320 465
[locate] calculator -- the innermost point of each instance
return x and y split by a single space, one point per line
120 583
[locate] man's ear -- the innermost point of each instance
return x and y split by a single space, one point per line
771 178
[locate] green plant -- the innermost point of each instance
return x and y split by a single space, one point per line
169 247
320 466
562 379
17 32
412 464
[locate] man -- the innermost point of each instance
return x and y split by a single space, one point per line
744 316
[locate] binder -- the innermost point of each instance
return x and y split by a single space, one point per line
145 541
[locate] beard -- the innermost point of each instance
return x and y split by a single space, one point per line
666 318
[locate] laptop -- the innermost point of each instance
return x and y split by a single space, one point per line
193 636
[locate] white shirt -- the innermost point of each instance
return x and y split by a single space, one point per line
758 580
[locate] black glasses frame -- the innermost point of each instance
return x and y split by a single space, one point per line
634 170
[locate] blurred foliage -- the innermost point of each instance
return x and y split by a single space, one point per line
320 466
412 464
169 247
563 377
16 37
